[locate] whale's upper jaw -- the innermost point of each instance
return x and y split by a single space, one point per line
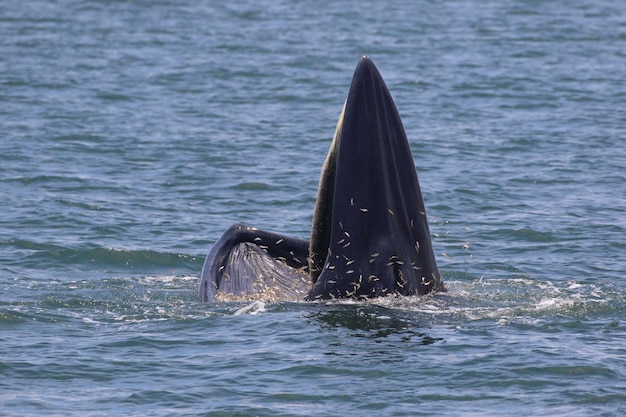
373 223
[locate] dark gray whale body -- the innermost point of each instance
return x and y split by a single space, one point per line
370 235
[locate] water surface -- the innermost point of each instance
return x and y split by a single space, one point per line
133 133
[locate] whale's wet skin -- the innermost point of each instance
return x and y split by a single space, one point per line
370 234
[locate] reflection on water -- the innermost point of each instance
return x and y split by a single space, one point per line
364 320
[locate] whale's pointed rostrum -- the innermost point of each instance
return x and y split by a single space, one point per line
372 230
370 234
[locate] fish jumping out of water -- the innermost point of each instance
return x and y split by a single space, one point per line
370 235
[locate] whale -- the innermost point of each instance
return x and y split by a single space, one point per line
369 235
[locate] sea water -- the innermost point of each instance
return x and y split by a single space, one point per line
133 133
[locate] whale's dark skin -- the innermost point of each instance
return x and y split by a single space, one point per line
370 234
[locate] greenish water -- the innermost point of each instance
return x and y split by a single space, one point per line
133 133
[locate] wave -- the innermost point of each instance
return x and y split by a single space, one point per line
45 255
517 300
107 301
468 301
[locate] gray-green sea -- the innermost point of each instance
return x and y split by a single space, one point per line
133 133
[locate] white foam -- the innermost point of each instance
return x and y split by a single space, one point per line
253 308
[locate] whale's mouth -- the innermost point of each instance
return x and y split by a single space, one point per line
370 235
